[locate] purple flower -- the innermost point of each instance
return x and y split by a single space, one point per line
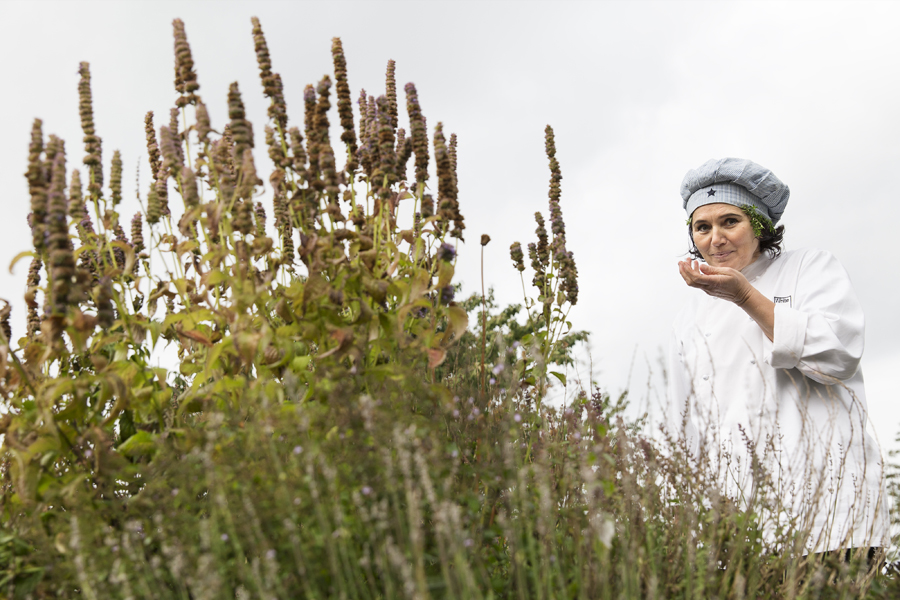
446 252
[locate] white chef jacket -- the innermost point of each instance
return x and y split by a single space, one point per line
797 403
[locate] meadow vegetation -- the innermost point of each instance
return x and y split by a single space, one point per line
339 424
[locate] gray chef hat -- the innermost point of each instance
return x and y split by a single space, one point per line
735 181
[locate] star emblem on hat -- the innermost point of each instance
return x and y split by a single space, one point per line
711 193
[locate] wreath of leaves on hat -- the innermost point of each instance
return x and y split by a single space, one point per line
758 221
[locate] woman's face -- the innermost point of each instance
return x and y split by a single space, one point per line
724 236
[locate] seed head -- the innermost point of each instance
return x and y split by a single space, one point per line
403 151
569 274
59 247
418 134
203 123
248 180
243 217
555 173
4 323
241 128
77 208
137 233
92 144
485 239
298 152
427 206
154 209
32 283
260 214
448 207
272 86
189 188
37 186
385 175
115 179
540 278
344 104
515 253
103 295
152 146
312 146
222 166
543 247
323 145
185 77
391 93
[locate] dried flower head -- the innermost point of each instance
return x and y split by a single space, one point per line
77 208
248 180
185 77
189 188
220 155
137 233
385 174
59 247
485 239
260 215
152 146
272 86
312 146
154 209
518 258
391 92
448 207
31 289
418 135
103 296
241 128
543 247
92 143
115 179
555 174
344 104
243 217
569 274
298 153
4 323
37 186
203 126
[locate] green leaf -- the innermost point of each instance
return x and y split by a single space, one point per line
142 443
19 257
559 376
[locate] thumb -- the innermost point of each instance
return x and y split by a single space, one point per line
708 269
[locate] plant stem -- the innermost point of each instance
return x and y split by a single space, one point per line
483 320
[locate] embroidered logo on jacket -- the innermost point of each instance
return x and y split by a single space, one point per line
783 300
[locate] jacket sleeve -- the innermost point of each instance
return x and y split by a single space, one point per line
823 333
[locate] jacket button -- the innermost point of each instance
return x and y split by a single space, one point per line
705 377
752 362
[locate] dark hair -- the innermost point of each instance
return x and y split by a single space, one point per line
769 241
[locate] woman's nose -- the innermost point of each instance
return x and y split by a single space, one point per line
717 238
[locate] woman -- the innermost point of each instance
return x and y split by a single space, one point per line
764 379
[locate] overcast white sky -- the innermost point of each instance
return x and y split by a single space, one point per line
638 93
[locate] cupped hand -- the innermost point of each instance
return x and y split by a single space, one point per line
719 282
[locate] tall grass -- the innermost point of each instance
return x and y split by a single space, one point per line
334 426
